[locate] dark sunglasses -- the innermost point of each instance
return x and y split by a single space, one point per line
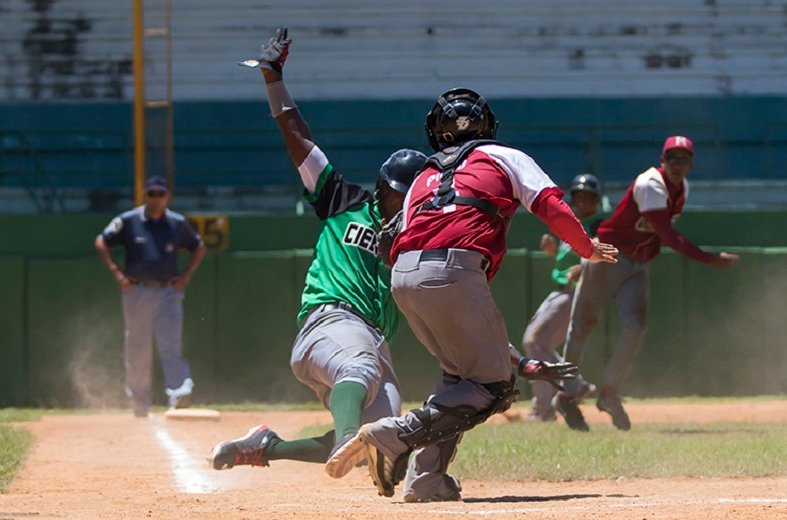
677 159
155 193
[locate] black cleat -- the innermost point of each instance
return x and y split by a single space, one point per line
569 409
613 406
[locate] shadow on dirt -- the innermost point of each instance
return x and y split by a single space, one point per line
555 498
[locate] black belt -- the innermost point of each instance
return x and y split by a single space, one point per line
442 254
341 306
150 283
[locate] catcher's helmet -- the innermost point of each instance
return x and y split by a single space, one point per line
459 115
400 169
585 182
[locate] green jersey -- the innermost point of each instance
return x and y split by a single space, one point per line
566 258
346 266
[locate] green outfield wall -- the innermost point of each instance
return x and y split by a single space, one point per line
711 332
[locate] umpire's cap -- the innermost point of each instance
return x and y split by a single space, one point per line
585 182
400 169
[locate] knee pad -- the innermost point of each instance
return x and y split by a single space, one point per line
440 423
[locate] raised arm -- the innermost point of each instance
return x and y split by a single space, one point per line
293 128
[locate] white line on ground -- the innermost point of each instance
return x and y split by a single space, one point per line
627 504
188 475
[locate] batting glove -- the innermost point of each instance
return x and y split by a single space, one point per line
272 54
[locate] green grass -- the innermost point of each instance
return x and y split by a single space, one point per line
552 452
14 443
21 414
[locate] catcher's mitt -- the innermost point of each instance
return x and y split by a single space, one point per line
553 373
386 236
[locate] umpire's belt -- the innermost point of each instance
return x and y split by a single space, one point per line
150 283
325 307
442 254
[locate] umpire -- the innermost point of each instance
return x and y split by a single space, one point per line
152 290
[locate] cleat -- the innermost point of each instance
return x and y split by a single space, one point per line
451 492
613 406
569 409
347 453
541 416
385 471
249 450
585 390
183 401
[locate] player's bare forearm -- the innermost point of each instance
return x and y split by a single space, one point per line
293 128
515 355
548 244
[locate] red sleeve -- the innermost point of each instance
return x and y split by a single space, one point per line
559 218
661 222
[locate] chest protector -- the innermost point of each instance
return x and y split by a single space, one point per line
446 163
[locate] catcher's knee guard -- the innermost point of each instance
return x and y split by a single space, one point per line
439 423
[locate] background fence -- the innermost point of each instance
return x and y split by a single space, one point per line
711 332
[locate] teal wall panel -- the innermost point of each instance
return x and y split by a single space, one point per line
237 143
13 355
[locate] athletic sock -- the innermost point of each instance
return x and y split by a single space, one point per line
314 449
346 404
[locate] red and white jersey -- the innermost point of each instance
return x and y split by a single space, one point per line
628 230
504 176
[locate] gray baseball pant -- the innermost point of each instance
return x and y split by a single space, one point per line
450 309
154 312
336 345
545 333
627 282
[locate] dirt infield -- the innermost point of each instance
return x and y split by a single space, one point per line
115 466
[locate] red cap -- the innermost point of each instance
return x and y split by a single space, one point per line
678 141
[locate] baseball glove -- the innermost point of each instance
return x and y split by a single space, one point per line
272 54
553 373
386 236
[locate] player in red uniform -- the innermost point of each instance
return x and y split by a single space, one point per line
641 223
452 243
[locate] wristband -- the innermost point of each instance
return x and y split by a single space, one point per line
279 98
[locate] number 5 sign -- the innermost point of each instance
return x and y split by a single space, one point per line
214 230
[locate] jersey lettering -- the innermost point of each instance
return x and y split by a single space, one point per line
362 237
435 177
643 225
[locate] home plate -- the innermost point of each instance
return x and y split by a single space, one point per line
188 414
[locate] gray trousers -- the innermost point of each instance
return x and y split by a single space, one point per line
544 335
627 282
334 346
450 309
149 313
